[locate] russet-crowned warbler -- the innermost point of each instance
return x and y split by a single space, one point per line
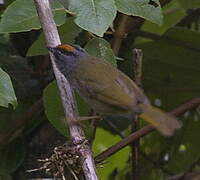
106 89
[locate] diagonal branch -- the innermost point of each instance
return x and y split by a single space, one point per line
188 176
167 39
192 15
124 27
70 110
144 131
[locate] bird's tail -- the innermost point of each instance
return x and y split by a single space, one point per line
162 121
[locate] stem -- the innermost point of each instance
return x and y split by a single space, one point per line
167 39
187 20
70 110
137 69
188 176
123 28
119 34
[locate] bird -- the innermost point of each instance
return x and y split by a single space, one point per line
106 89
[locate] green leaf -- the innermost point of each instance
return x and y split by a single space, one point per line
172 12
103 140
169 68
7 94
54 110
21 16
188 36
93 15
142 8
101 48
65 3
67 31
188 4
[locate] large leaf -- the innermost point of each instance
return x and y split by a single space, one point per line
103 140
149 10
67 31
93 15
101 48
169 68
173 12
7 94
189 4
54 109
21 15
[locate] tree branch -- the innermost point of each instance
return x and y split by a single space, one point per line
187 20
123 28
168 39
1 2
119 34
187 176
70 110
144 131
137 75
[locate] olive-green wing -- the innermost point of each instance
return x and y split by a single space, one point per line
103 82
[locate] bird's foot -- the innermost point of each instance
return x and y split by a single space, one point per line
83 118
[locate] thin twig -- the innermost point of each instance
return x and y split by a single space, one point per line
188 176
114 128
123 28
120 33
155 163
191 16
164 2
137 69
168 39
67 98
137 66
144 131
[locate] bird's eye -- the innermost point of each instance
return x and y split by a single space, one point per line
62 51
77 47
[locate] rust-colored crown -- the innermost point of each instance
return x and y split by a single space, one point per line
66 47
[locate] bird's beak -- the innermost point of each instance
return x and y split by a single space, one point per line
51 49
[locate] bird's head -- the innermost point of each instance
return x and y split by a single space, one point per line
68 56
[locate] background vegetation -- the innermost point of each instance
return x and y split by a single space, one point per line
167 31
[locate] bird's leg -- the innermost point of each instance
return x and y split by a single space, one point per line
83 118
92 119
